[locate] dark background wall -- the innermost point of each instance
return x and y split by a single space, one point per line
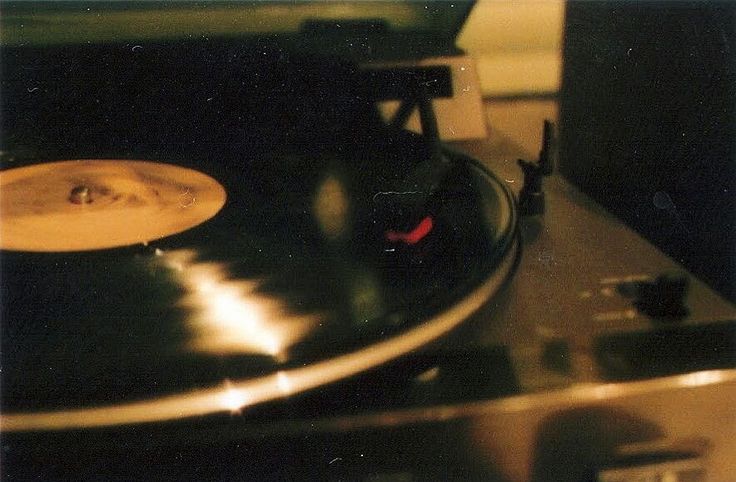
647 118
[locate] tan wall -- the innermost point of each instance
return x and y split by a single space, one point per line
517 45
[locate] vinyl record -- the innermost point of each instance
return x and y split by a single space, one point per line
302 279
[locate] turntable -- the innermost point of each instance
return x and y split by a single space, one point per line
220 261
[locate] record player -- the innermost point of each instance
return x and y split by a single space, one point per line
219 260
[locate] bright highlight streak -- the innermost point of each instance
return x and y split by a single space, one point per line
698 379
229 316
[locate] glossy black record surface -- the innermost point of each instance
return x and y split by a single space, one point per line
258 289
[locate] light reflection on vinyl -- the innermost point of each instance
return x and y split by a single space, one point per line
229 316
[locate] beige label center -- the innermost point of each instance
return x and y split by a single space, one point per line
96 204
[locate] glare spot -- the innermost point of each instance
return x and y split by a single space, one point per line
701 378
331 205
232 399
429 376
284 383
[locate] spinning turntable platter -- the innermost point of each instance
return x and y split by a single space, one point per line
96 204
255 305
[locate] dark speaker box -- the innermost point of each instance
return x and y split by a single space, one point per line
647 124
